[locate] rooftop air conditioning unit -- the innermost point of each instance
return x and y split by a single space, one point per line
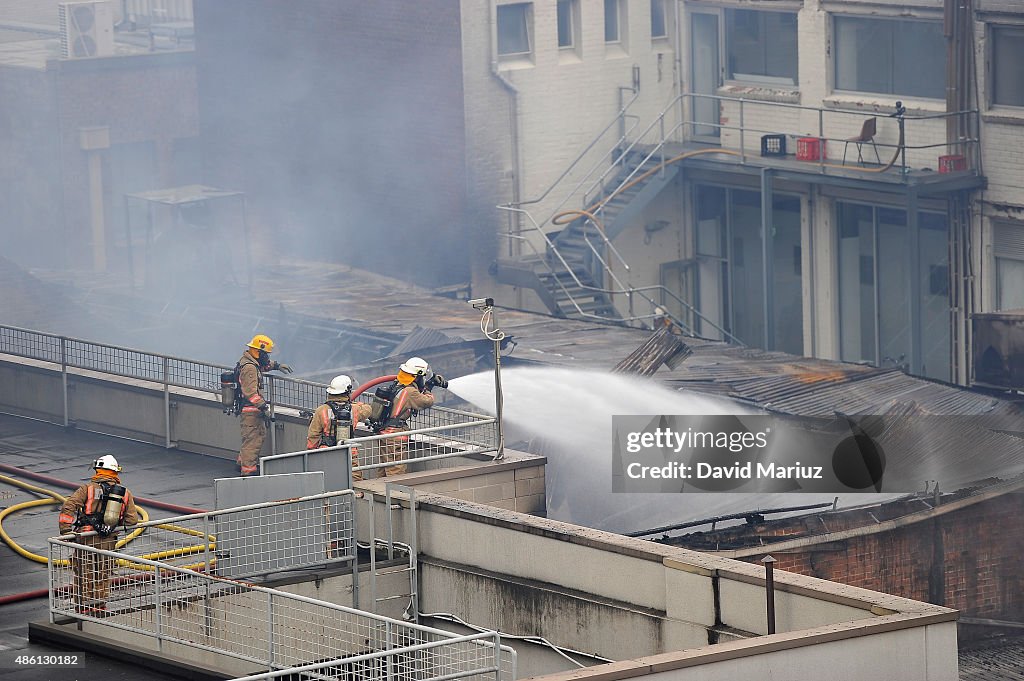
86 29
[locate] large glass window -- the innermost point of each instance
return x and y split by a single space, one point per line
761 46
730 267
1007 57
874 288
901 57
514 29
1008 249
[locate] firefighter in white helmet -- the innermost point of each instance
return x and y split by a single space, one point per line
254 361
96 509
334 421
394 404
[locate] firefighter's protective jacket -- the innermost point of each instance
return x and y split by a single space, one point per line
405 402
321 421
85 501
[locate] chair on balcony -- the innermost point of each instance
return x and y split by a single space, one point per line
867 134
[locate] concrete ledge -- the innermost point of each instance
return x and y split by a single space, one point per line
760 645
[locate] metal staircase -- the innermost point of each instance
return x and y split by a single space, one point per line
573 272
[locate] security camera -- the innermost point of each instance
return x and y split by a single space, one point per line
482 303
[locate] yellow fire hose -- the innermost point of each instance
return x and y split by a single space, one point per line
56 498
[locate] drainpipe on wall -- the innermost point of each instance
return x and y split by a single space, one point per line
513 93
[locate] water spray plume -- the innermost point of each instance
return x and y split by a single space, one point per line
571 410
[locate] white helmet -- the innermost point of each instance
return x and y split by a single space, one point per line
107 462
340 385
415 366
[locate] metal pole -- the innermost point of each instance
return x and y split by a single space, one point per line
767 255
208 566
914 358
159 608
769 591
270 632
64 376
167 405
498 399
743 147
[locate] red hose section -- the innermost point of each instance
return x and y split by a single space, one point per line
369 384
24 596
187 510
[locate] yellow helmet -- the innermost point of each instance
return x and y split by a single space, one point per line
261 342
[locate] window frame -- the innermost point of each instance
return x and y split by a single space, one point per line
726 21
836 17
991 29
527 20
574 23
619 5
664 20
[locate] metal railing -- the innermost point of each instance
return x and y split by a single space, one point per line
674 125
266 627
246 541
460 428
435 434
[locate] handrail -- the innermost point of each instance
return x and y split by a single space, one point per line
595 207
620 115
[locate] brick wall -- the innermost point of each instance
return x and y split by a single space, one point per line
968 559
343 122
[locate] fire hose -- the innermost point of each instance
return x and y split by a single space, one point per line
56 498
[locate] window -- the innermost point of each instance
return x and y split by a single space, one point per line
566 23
611 21
890 56
1007 54
658 25
761 46
514 29
874 298
1008 248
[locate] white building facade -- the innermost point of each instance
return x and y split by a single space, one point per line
757 117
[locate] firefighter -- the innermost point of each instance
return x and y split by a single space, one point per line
334 420
396 403
101 505
254 361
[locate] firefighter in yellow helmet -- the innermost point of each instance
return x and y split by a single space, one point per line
99 506
334 420
394 404
254 361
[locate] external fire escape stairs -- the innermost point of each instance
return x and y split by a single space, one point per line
570 275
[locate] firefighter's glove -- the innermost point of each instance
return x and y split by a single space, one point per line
106 530
439 380
264 407
284 368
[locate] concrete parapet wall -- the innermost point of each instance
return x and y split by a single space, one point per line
620 598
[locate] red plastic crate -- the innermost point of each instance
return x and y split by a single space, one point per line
810 149
952 163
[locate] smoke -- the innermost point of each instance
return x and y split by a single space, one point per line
572 411
345 140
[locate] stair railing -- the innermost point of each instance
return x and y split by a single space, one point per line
592 215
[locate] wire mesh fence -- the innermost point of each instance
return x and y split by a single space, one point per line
265 627
293 393
238 542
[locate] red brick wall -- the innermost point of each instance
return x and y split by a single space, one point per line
343 122
975 554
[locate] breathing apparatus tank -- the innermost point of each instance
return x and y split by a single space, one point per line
114 502
229 391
